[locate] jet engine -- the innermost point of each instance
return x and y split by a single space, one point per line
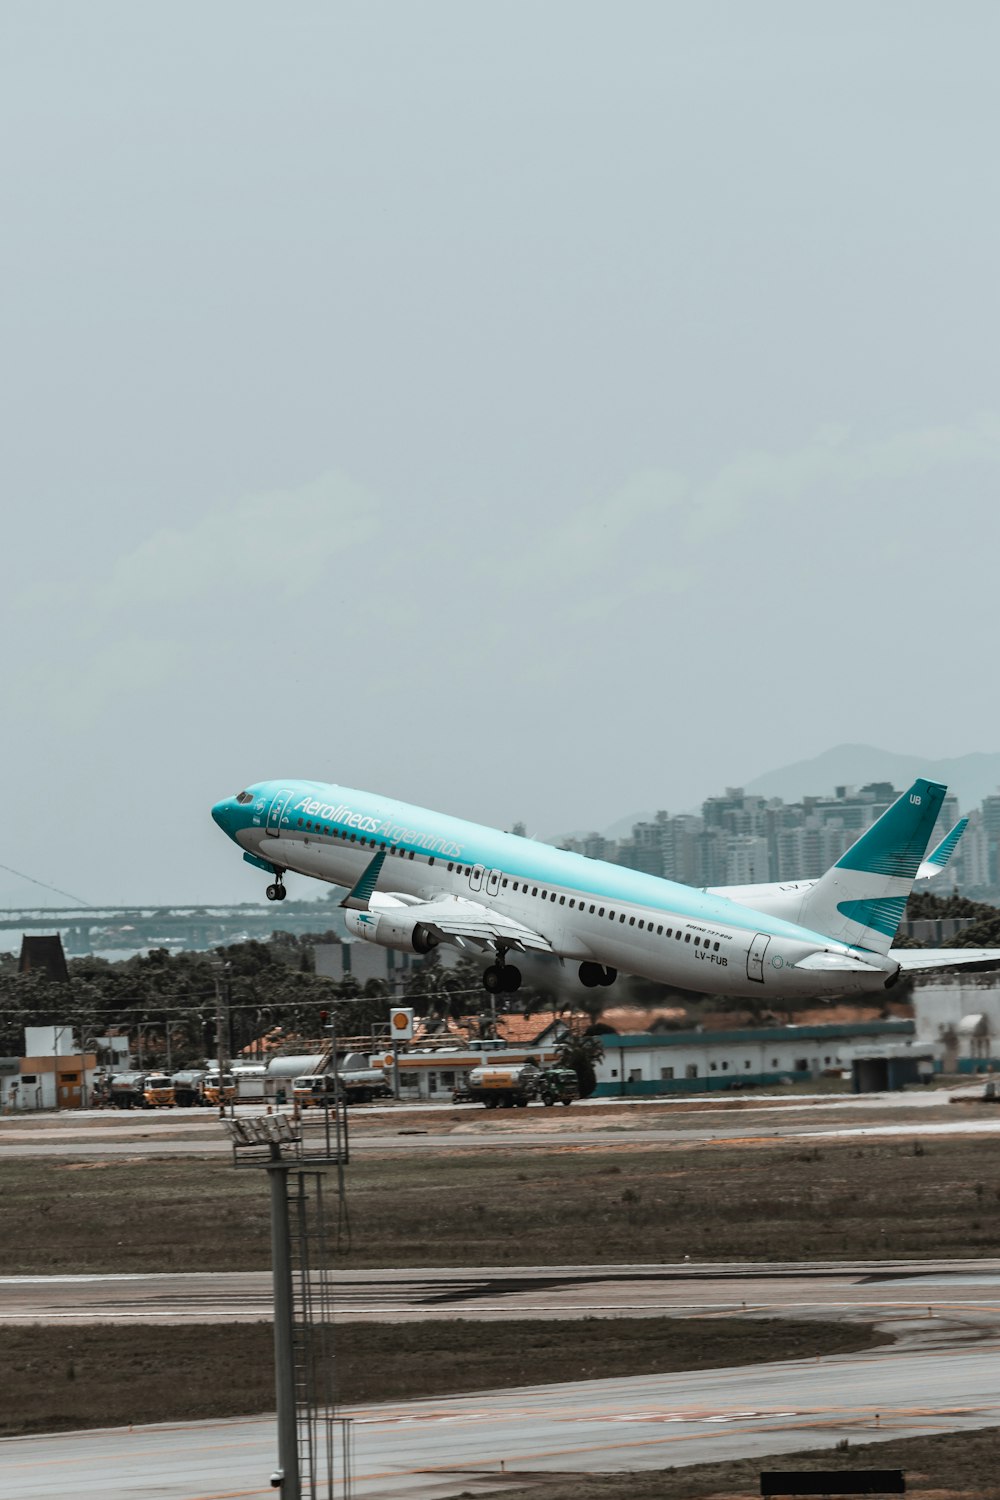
391 924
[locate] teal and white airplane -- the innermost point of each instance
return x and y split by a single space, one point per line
417 878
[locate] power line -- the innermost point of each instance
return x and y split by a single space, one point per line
44 885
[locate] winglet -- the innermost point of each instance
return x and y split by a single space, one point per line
939 857
360 897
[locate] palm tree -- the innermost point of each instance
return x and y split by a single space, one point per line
581 1051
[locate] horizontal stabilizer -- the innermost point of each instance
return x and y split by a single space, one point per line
926 960
939 857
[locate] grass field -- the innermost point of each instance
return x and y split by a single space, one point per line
103 1375
759 1200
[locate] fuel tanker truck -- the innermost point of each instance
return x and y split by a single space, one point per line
511 1085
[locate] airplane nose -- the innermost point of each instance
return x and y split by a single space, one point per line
222 812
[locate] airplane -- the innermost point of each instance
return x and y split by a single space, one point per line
417 878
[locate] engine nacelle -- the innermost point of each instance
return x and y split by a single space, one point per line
391 927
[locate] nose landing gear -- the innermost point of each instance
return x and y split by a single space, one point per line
276 891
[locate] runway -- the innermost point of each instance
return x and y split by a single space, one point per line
943 1301
440 1448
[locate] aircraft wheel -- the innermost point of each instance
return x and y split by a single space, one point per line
591 975
493 979
282 893
511 979
608 977
273 893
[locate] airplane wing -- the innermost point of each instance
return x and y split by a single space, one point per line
454 919
924 960
451 919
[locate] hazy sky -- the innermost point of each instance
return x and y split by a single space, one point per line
539 410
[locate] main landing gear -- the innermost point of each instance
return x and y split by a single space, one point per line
592 975
276 892
501 978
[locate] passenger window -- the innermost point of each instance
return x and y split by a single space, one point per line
534 890
641 923
505 883
631 921
600 913
687 937
592 909
622 918
697 941
715 947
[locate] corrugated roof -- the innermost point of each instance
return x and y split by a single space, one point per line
762 1034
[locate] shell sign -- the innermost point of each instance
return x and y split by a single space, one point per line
401 1023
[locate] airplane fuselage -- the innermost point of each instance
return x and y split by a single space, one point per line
588 911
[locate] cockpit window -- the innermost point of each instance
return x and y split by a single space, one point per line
244 797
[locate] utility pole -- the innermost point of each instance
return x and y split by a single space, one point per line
284 1317
222 1036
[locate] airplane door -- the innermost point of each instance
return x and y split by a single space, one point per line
275 812
476 877
755 957
492 882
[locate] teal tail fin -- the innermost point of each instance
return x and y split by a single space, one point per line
861 901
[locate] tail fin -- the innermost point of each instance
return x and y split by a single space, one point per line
939 857
861 901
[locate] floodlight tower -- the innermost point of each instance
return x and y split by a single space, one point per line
298 1167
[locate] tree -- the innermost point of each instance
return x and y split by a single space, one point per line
582 1051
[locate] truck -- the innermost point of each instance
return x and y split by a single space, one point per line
211 1091
357 1086
127 1090
514 1085
249 1079
558 1086
158 1091
187 1087
503 1086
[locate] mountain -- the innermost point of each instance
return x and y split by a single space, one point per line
970 777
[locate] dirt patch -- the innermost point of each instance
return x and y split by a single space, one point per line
953 1466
